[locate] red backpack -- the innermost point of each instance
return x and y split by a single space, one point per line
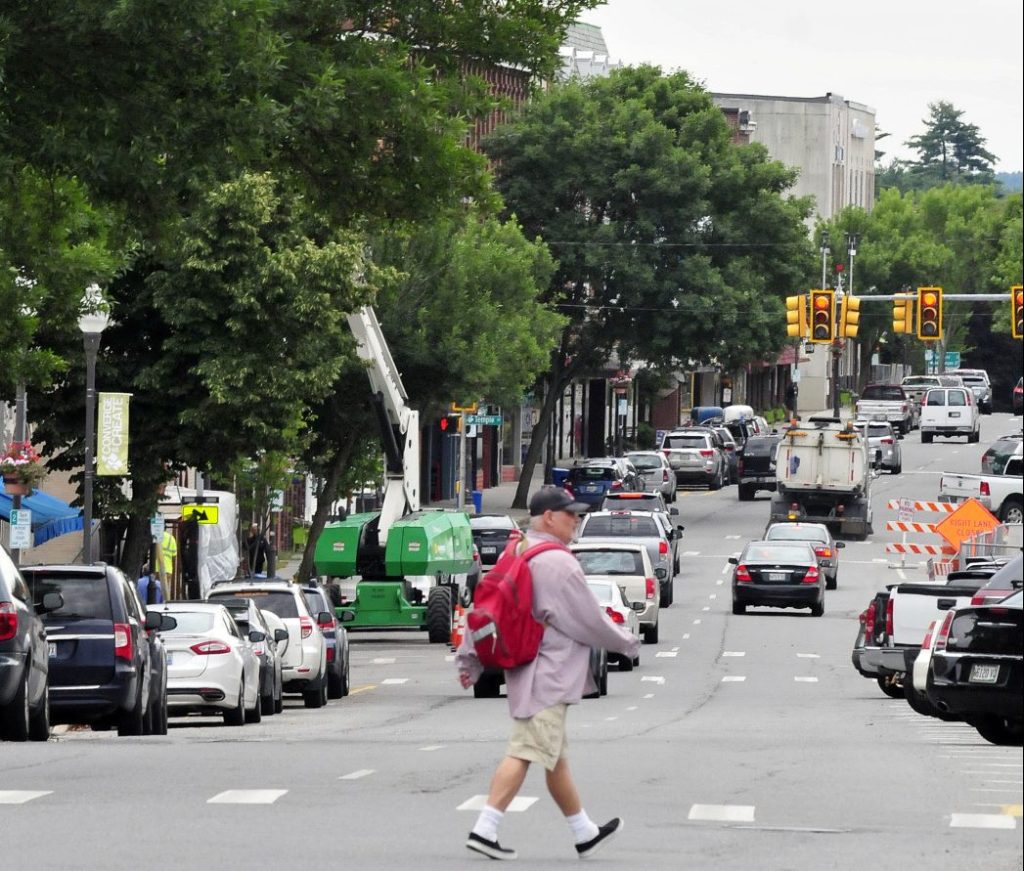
500 624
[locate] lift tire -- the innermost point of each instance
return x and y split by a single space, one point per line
439 615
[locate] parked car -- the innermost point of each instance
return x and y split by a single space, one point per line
695 456
305 660
644 527
252 622
948 412
24 656
883 444
756 466
628 565
656 472
212 667
107 661
589 480
826 548
730 447
976 380
1018 397
491 532
335 636
1000 452
610 597
777 573
976 668
867 649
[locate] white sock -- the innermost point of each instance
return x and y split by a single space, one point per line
487 823
583 827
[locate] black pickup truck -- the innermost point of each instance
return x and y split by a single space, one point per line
756 466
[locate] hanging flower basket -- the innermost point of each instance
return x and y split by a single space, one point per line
21 467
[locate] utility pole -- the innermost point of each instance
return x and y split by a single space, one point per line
837 344
460 485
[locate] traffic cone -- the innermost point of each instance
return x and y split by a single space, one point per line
458 627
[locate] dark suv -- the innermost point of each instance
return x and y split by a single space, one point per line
107 662
756 466
24 658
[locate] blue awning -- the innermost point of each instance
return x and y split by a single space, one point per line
51 518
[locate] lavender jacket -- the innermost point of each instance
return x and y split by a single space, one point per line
574 623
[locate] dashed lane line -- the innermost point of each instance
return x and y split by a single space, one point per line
430 748
734 653
800 679
722 813
356 775
247 796
653 678
20 796
733 678
391 681
981 821
665 654
383 660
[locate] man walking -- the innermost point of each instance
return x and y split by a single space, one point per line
540 692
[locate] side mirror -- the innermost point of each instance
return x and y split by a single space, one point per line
637 606
255 636
280 635
51 602
680 527
167 623
733 561
840 544
153 620
346 616
661 574
324 617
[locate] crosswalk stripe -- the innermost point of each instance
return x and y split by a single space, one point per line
982 821
20 796
247 796
519 804
723 813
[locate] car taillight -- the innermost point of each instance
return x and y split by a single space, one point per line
707 454
663 547
869 621
650 587
258 649
306 627
8 621
568 488
664 476
824 552
928 636
742 575
886 441
943 636
985 490
616 485
210 648
666 452
615 615
811 576
330 654
888 618
123 641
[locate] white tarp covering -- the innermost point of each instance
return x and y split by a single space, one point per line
218 542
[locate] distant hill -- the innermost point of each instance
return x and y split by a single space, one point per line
1011 181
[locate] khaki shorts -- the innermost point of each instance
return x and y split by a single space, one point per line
540 738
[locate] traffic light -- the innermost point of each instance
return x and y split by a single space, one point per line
929 313
903 313
849 320
1017 311
451 423
823 316
796 316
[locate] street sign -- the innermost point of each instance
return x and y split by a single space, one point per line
21 528
156 527
970 518
952 359
483 420
202 513
906 511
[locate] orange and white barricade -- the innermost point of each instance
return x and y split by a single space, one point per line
907 522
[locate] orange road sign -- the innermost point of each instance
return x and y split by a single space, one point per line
970 518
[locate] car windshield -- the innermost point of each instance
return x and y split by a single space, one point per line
593 473
620 524
85 596
280 602
778 553
646 461
610 562
759 446
796 533
486 522
685 441
191 622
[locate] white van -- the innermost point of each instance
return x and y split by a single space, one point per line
950 411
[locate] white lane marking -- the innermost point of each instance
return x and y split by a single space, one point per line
982 821
686 636
799 679
247 796
723 813
20 796
653 678
450 657
666 653
720 581
607 719
631 708
394 680
355 775
902 574
875 560
477 802
733 653
995 765
696 622
733 537
675 648
989 780
706 608
725 568
808 656
649 696
691 553
384 660
430 748
713 596
733 678
992 789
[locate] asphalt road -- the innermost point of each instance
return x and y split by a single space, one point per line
742 742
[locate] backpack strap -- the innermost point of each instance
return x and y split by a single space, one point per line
531 552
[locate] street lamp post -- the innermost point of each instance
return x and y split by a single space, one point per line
92 322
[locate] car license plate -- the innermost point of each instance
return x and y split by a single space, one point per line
954 414
591 488
52 646
488 551
777 576
984 673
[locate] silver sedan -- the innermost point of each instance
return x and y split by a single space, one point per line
658 475
883 444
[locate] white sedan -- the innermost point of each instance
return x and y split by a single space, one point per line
211 665
609 596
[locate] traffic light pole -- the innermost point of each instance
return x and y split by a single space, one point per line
460 485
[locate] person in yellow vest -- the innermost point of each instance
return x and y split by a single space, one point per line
168 552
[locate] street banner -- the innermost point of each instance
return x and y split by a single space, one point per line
112 434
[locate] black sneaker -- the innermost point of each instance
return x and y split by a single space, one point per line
604 834
490 848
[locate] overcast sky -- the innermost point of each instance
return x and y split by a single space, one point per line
895 56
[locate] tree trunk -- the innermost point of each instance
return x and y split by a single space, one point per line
325 498
537 436
138 541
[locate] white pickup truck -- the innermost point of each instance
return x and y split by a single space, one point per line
1002 494
910 609
888 402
